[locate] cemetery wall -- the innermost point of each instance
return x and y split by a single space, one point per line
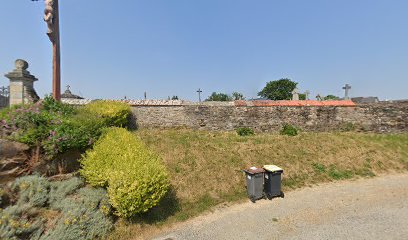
378 117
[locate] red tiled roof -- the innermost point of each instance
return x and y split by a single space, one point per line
300 103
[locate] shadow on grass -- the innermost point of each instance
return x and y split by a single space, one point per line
166 208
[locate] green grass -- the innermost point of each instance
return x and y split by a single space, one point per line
205 167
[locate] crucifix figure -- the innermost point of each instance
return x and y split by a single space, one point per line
346 91
199 94
295 94
51 17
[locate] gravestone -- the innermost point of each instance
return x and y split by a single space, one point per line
295 94
307 93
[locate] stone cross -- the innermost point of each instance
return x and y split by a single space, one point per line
346 91
307 93
199 94
295 94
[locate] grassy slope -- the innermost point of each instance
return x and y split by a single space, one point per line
205 167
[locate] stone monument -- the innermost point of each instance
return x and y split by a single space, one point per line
307 93
295 94
21 84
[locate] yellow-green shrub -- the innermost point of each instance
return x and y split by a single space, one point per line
135 177
114 113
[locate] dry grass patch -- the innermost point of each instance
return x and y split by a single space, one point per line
205 167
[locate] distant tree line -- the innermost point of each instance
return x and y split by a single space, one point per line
274 90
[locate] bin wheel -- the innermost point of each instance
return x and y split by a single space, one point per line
282 195
252 199
269 196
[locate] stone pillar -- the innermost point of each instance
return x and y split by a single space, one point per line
21 84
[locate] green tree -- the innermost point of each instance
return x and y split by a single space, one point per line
278 90
302 96
219 97
331 97
237 96
175 98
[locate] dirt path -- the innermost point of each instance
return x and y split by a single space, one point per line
363 209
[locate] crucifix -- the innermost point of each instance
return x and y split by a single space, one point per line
51 17
199 94
346 91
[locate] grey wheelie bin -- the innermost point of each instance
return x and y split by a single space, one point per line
272 181
254 180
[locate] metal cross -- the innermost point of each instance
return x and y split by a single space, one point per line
346 91
199 94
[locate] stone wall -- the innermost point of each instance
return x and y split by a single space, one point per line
378 117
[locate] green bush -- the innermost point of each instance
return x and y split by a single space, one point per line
84 216
245 131
58 127
79 213
60 190
135 178
32 190
115 114
57 107
21 222
289 130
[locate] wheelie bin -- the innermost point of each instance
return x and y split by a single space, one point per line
255 181
272 181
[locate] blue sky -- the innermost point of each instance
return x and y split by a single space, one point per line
112 49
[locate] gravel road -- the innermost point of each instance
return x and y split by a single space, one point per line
374 208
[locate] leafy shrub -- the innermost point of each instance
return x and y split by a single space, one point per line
79 131
245 131
58 127
50 105
84 216
114 113
33 190
81 214
60 190
21 222
135 177
27 123
289 130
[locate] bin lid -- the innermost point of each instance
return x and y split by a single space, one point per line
272 168
254 170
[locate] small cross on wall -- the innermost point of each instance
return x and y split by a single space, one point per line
346 88
199 94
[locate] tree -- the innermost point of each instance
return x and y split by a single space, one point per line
278 90
331 97
219 97
237 96
302 96
175 98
